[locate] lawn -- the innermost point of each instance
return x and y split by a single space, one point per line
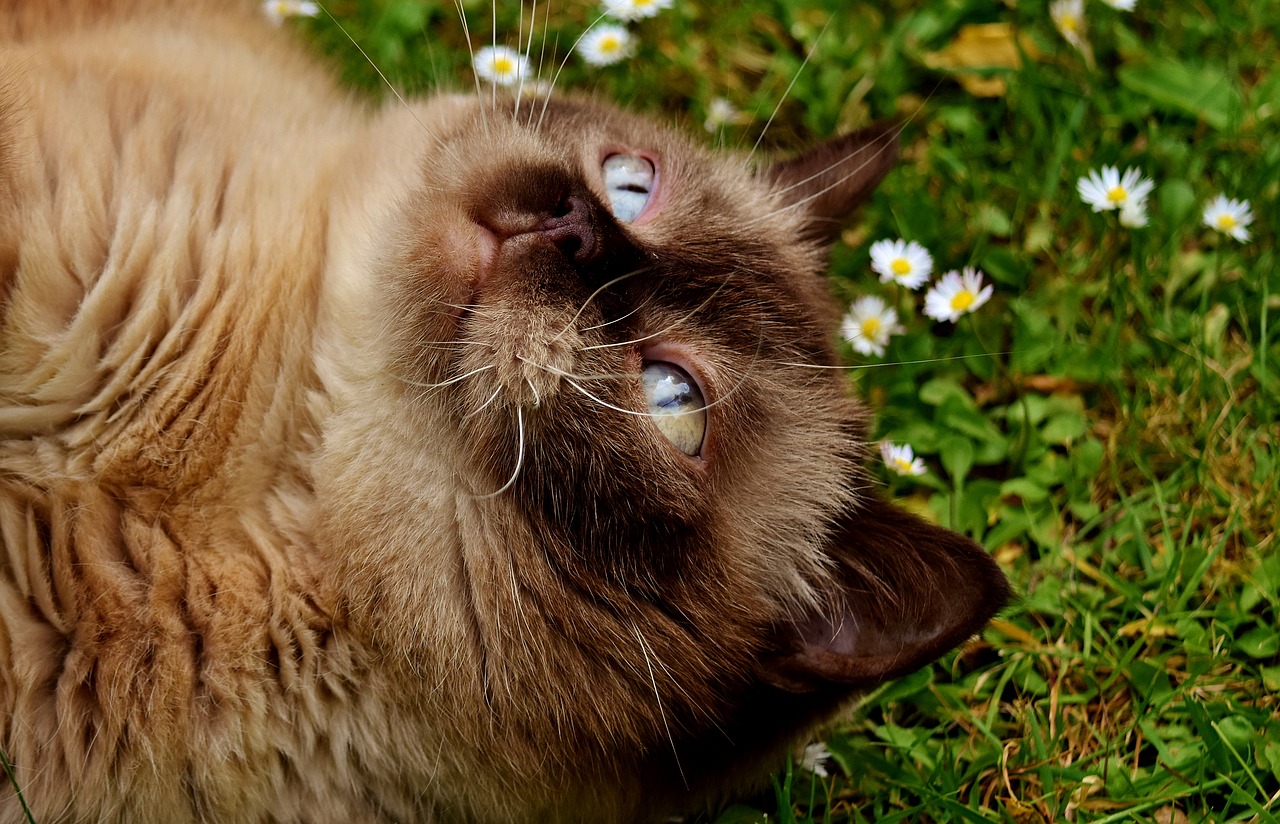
1104 424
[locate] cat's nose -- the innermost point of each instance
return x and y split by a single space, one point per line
574 227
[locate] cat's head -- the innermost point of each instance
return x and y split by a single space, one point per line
598 485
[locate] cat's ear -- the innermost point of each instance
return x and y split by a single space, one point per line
909 591
829 180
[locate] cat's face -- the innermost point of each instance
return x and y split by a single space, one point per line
603 455
597 267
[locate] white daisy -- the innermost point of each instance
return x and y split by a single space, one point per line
1231 217
1068 16
869 324
605 44
720 112
901 459
811 760
277 10
1133 215
956 294
501 65
1122 5
898 261
1106 188
634 9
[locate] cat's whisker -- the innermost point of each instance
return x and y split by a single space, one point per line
592 297
888 140
448 382
856 366
812 196
732 390
519 458
620 318
454 344
537 399
482 406
533 24
657 696
493 87
469 308
556 77
471 52
787 92
659 333
384 78
599 376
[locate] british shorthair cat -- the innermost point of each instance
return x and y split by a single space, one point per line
450 461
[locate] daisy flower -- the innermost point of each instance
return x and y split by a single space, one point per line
868 325
811 760
901 459
956 294
634 9
720 112
1106 188
277 10
501 65
1134 215
1231 217
1068 16
605 44
1122 5
898 261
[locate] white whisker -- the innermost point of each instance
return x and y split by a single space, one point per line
591 297
895 363
519 458
482 406
619 318
450 380
387 82
815 195
807 57
600 376
466 33
695 310
556 77
657 696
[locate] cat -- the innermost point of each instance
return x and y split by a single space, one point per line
467 459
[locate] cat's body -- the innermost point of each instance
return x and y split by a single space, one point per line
256 568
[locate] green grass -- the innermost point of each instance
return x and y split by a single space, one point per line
1110 434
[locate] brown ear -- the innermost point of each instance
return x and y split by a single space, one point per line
909 591
830 179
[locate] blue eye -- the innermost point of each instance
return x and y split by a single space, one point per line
676 405
629 180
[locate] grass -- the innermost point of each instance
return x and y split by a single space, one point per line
1109 432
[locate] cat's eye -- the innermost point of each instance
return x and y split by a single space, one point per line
629 181
676 405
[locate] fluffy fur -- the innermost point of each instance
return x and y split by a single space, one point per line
319 501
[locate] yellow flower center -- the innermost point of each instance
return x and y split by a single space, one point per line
503 65
1117 195
902 466
1069 22
900 266
1226 222
609 45
962 300
640 4
870 327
